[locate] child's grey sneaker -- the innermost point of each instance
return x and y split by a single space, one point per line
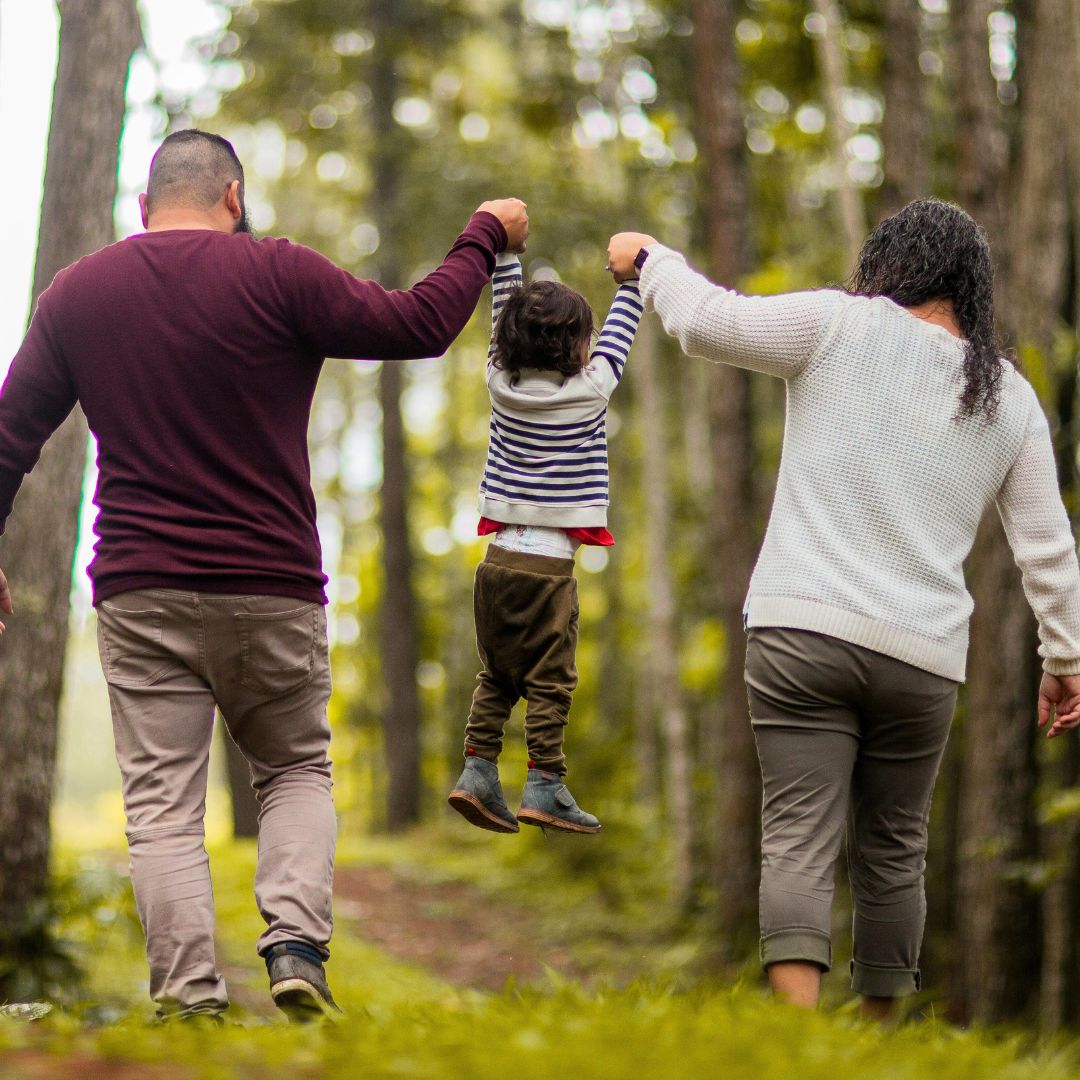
547 802
478 797
299 987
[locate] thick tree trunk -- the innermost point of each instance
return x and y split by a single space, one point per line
982 145
997 936
665 694
245 807
732 868
96 43
998 927
1051 64
399 632
832 67
400 650
905 128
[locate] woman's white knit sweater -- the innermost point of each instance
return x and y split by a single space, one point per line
881 489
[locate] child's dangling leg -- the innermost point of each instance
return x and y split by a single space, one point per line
478 794
548 685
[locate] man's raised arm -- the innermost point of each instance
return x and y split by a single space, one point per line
345 316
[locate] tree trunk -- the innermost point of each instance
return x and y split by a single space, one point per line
904 130
400 650
665 694
1037 299
830 49
399 632
982 146
96 43
733 863
998 926
245 807
996 922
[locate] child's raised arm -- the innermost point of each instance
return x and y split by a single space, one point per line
617 334
506 278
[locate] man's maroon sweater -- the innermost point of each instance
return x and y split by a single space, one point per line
194 355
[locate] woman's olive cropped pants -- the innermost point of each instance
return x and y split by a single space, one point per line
844 735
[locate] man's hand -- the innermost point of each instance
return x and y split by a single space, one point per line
622 250
5 598
1059 700
511 212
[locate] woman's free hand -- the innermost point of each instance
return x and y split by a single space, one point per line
1059 699
622 251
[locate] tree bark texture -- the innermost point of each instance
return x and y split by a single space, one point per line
399 632
732 864
982 145
833 71
905 127
96 44
665 696
1050 53
998 925
245 807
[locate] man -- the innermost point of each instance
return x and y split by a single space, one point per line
194 351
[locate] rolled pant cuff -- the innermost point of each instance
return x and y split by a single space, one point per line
884 982
803 945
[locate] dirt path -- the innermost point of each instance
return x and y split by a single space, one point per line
449 928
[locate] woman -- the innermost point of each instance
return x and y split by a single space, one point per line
904 423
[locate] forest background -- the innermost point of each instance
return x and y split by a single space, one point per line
763 138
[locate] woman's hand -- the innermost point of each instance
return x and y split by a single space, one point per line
1059 698
622 251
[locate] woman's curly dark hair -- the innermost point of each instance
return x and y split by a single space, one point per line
933 250
543 325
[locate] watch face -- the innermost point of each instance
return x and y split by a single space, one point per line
642 255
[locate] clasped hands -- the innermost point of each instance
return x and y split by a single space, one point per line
622 247
1059 701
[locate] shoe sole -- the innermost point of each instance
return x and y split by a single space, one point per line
549 821
476 813
301 1002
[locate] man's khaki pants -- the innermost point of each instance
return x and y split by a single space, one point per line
168 657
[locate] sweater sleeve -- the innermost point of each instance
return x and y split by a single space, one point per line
345 316
778 335
36 398
1043 546
506 278
612 347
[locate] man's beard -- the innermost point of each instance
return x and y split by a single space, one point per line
243 224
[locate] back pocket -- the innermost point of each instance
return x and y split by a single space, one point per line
130 646
277 648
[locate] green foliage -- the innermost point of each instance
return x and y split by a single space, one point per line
89 905
403 1022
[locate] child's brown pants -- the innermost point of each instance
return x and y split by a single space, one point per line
526 613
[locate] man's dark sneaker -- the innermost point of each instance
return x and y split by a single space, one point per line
298 986
478 797
547 802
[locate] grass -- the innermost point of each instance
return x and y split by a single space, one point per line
403 1021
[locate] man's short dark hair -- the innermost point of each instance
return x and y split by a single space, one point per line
192 168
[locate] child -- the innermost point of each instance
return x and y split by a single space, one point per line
544 492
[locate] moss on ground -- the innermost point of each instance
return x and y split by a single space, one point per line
403 1021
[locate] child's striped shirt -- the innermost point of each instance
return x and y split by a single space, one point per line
547 451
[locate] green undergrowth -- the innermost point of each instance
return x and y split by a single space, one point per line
403 1021
557 1031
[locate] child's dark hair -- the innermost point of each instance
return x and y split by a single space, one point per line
543 325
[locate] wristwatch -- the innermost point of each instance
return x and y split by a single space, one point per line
639 259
